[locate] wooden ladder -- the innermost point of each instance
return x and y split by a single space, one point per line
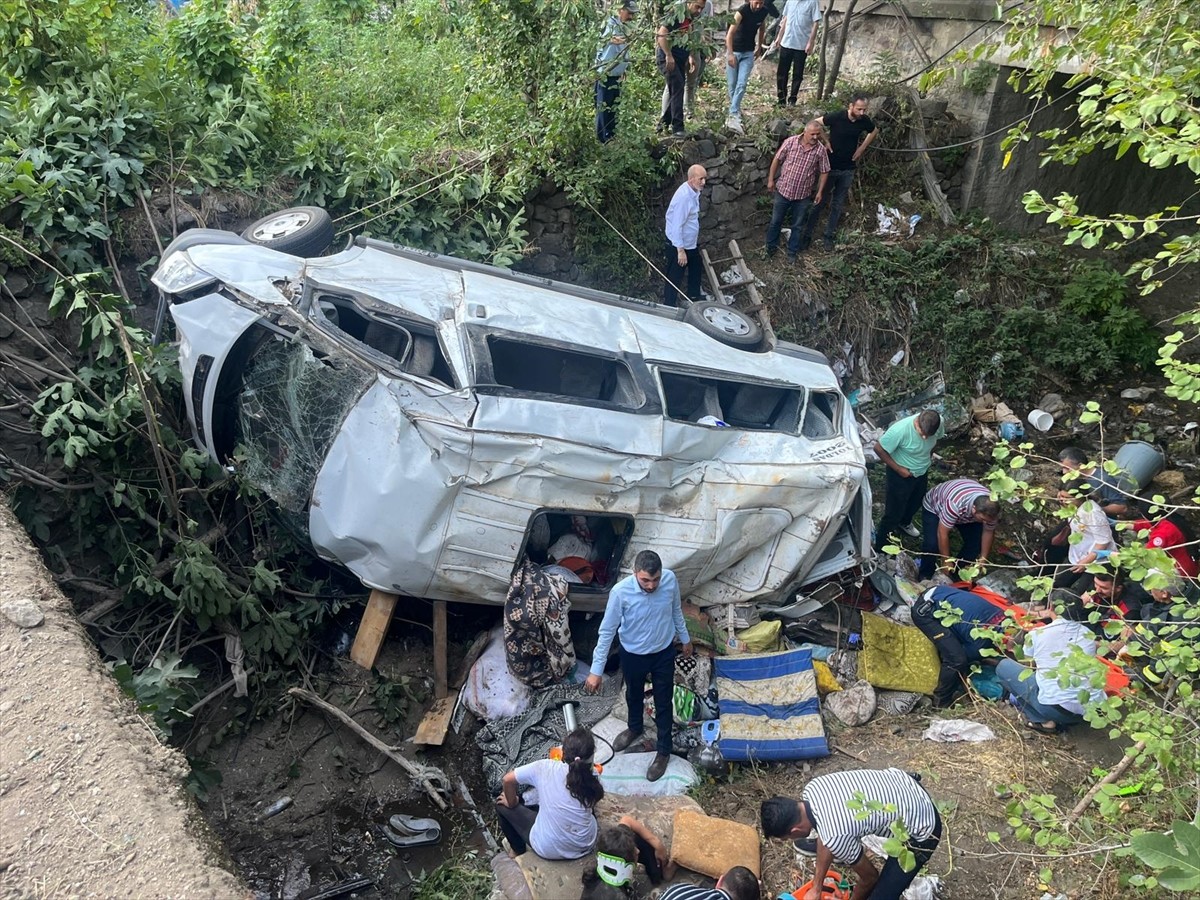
756 308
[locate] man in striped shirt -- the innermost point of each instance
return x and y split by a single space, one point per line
802 167
962 504
739 883
843 808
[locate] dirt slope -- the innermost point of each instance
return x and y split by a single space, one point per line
91 805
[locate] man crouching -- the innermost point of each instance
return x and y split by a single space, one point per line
843 808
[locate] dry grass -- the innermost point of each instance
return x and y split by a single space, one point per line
963 779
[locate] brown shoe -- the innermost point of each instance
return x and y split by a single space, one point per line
624 739
659 767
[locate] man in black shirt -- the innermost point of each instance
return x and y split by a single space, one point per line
846 130
743 45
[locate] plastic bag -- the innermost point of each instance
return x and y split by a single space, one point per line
854 705
948 731
491 691
625 773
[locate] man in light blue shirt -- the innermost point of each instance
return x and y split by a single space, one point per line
645 608
683 237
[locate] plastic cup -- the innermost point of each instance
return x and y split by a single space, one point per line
1040 419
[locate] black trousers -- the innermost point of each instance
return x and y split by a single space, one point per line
790 62
972 543
901 500
676 84
893 880
660 667
675 275
516 823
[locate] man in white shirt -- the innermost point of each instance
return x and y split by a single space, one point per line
683 236
797 32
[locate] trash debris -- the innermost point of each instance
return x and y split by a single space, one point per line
411 831
1139 394
898 703
1040 419
954 415
275 808
1053 404
949 731
1011 431
892 221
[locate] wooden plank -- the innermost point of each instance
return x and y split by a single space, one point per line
436 721
373 628
756 300
440 685
714 283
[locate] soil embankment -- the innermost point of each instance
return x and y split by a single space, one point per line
91 804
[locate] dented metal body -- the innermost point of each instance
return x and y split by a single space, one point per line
424 478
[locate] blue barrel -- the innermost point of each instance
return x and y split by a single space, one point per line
1140 462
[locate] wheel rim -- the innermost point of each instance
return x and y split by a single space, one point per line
727 320
280 226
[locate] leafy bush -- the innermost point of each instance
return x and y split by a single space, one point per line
1099 294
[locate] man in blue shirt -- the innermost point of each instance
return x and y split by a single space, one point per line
645 608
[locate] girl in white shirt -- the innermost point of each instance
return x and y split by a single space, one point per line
563 824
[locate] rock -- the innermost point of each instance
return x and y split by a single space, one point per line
23 612
545 263
1053 404
779 128
905 199
18 284
557 201
706 150
1138 394
931 108
722 194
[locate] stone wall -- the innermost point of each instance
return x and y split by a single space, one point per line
734 205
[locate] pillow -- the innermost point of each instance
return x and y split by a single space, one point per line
897 657
713 846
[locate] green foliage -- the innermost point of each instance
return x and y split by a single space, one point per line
394 698
976 305
1141 66
1098 294
1175 855
978 79
452 880
159 689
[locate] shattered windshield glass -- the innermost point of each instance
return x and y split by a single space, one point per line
291 407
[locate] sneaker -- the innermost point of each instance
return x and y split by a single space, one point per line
771 251
658 768
624 739
828 245
734 123
679 132
911 530
805 847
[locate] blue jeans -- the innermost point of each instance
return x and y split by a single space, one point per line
800 209
836 189
736 77
608 90
1025 693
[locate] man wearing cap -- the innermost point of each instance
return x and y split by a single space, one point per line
612 59
801 166
906 448
683 237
